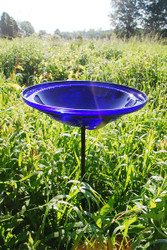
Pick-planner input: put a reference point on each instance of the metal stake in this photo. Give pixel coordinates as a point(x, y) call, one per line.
point(83, 153)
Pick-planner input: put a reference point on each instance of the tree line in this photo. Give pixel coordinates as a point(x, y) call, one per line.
point(9, 28)
point(128, 18)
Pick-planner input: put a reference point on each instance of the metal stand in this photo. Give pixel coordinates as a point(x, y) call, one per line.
point(83, 153)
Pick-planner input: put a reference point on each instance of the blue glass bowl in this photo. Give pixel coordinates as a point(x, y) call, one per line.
point(85, 104)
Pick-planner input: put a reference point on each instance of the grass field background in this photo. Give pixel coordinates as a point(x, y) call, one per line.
point(125, 188)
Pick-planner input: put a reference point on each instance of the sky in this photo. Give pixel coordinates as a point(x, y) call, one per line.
point(65, 15)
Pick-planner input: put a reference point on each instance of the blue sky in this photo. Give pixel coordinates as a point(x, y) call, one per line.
point(65, 15)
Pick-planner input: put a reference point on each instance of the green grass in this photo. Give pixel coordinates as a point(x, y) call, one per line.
point(125, 190)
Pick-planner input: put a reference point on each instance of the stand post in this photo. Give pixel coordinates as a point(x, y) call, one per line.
point(83, 153)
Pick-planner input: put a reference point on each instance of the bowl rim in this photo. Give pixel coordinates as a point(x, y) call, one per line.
point(32, 90)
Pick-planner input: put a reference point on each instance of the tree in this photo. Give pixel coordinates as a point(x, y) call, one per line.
point(0, 30)
point(8, 26)
point(155, 15)
point(91, 33)
point(126, 16)
point(27, 28)
point(42, 33)
point(57, 32)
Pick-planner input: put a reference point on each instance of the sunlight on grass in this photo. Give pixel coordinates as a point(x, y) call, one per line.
point(125, 190)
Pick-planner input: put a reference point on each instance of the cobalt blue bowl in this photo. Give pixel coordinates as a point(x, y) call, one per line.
point(85, 104)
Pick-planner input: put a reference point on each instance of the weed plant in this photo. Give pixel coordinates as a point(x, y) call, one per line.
point(125, 188)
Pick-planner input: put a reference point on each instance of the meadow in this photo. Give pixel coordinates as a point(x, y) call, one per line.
point(125, 188)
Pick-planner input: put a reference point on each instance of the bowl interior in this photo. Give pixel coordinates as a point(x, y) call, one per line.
point(84, 97)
